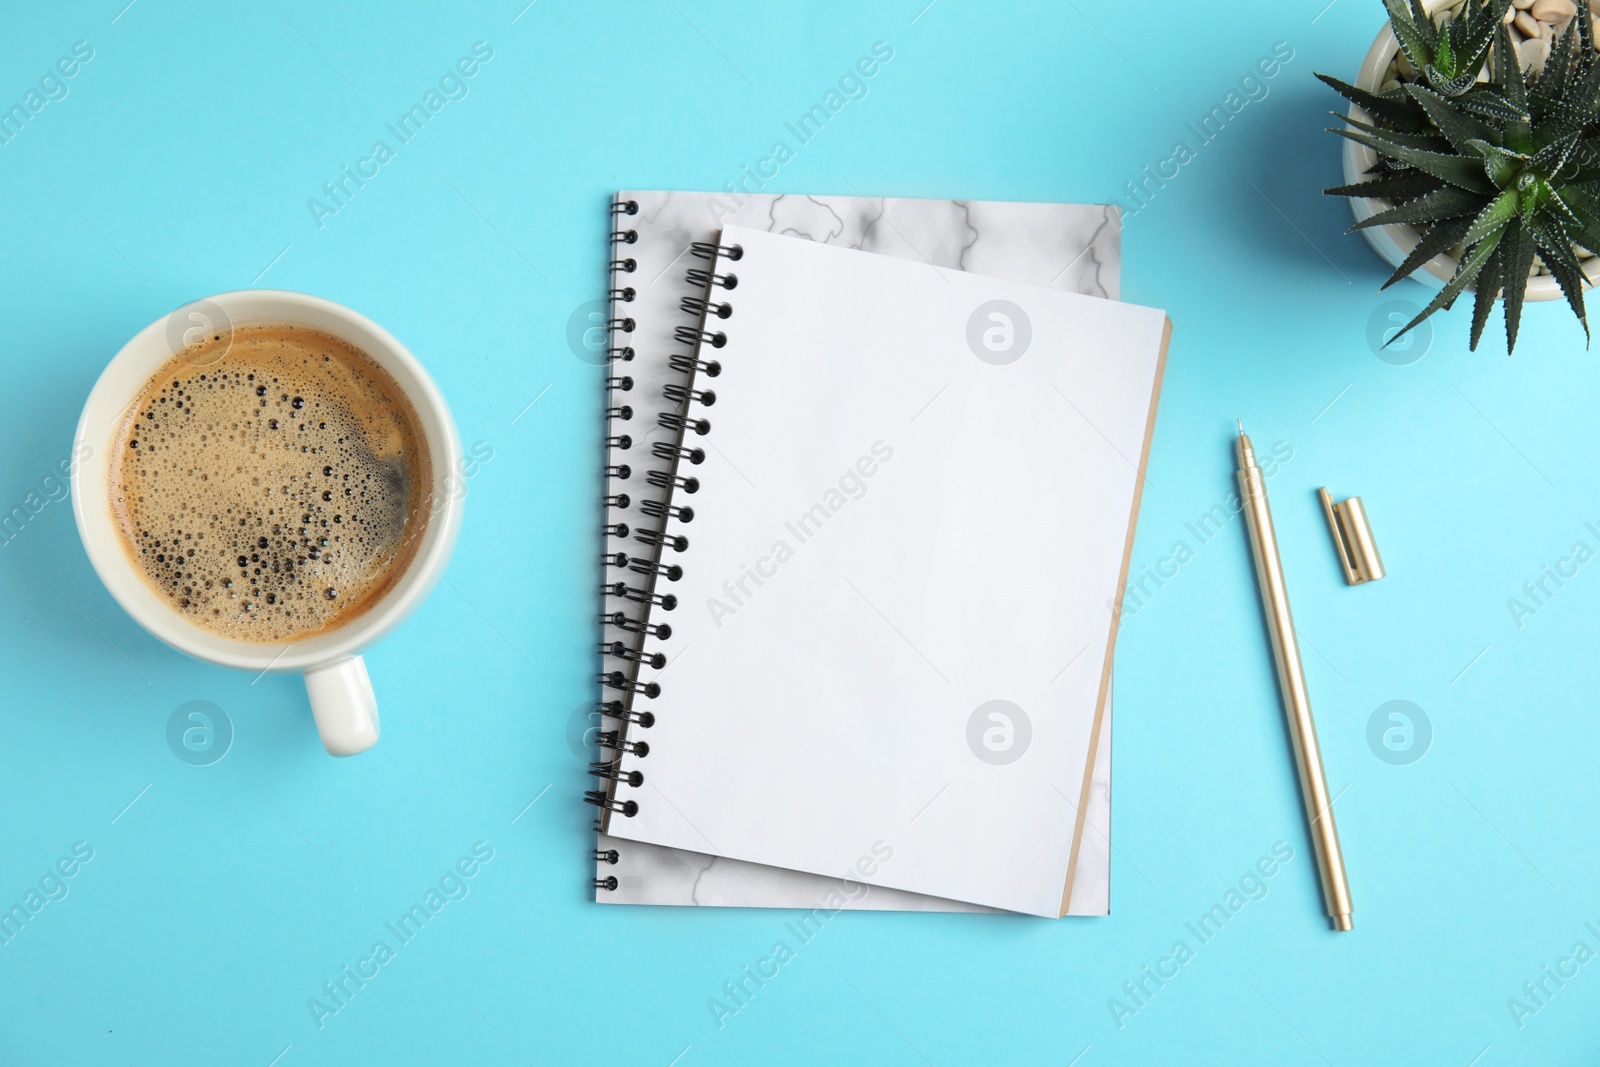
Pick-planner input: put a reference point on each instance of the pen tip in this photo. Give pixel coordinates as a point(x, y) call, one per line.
point(1241, 426)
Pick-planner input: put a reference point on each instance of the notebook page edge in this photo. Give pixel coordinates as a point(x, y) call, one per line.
point(1111, 644)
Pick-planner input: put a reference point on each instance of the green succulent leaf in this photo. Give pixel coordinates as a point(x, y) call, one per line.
point(1444, 203)
point(1581, 199)
point(1586, 80)
point(1469, 269)
point(1555, 248)
point(1483, 298)
point(1458, 128)
point(1494, 218)
point(1582, 221)
point(1557, 117)
point(1559, 67)
point(1551, 238)
point(1451, 86)
point(1507, 72)
point(1432, 141)
point(1585, 162)
point(1534, 194)
point(1501, 164)
point(1549, 161)
point(1516, 259)
point(1461, 171)
point(1444, 60)
point(1440, 237)
point(1571, 280)
point(1555, 206)
point(1393, 108)
point(1424, 24)
point(1399, 185)
point(1493, 106)
point(1471, 35)
point(1418, 48)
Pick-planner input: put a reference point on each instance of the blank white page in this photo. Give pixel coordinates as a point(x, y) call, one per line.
point(892, 632)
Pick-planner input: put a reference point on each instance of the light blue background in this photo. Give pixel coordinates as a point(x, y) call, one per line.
point(225, 896)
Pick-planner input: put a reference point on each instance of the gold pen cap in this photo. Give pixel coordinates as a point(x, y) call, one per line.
point(1352, 539)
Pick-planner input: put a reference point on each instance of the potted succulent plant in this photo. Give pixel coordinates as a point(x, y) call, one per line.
point(1474, 157)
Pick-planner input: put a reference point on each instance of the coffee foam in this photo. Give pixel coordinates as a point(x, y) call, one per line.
point(269, 484)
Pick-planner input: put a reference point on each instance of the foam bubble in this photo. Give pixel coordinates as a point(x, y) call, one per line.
point(273, 492)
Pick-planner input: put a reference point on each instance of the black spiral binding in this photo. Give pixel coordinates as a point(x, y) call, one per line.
point(616, 714)
point(632, 601)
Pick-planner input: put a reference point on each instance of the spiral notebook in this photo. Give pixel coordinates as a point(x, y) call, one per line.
point(877, 636)
point(1074, 247)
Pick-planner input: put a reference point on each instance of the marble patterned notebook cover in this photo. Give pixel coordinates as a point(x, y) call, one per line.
point(1071, 247)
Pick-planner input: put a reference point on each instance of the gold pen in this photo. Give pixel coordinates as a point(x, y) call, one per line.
point(1292, 681)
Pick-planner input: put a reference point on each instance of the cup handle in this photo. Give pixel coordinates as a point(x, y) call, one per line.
point(344, 706)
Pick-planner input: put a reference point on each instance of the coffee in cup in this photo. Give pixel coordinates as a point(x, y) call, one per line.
point(244, 463)
point(268, 482)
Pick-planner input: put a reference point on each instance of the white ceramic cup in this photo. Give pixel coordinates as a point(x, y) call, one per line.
point(342, 700)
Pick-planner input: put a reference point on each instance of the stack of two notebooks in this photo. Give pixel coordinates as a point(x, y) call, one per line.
point(873, 472)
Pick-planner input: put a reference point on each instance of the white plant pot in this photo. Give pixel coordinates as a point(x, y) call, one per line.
point(1394, 243)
